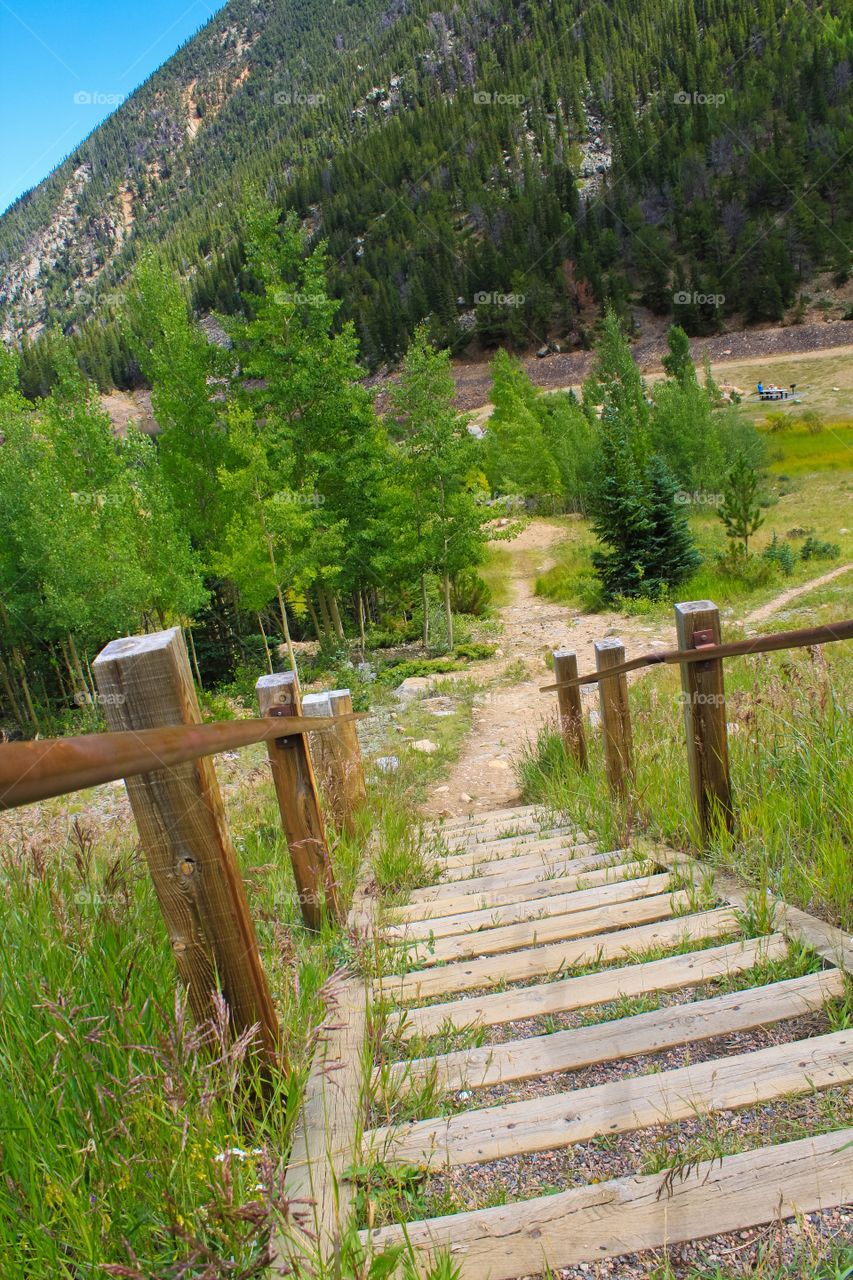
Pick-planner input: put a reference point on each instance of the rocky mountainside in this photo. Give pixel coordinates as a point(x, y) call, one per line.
point(501, 168)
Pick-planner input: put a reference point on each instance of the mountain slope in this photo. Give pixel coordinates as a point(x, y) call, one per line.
point(531, 159)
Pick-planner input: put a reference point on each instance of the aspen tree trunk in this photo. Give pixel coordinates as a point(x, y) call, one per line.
point(448, 611)
point(25, 689)
point(6, 682)
point(336, 617)
point(361, 625)
point(324, 610)
point(315, 621)
point(426, 610)
point(189, 632)
point(266, 646)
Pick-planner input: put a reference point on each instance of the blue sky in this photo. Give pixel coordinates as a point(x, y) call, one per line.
point(64, 64)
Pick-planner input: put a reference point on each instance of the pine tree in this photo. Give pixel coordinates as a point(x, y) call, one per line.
point(670, 554)
point(740, 510)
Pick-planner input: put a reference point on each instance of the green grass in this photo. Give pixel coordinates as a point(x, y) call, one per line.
point(791, 748)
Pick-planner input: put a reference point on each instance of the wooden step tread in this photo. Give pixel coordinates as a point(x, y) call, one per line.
point(631, 1214)
point(564, 1119)
point(566, 994)
point(540, 872)
point(535, 962)
point(570, 1050)
point(507, 850)
point(545, 928)
point(620, 885)
point(506, 846)
point(474, 867)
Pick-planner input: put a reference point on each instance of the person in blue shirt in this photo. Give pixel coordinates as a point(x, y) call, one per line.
point(760, 389)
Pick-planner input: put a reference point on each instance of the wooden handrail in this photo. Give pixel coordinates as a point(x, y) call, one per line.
point(32, 771)
point(802, 638)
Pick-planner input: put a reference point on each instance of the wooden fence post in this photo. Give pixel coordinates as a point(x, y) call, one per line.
point(299, 804)
point(337, 757)
point(349, 751)
point(615, 716)
point(570, 706)
point(144, 682)
point(704, 699)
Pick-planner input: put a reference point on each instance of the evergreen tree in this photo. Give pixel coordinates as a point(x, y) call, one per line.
point(670, 554)
point(740, 510)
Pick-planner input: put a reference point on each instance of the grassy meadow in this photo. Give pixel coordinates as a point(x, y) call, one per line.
point(808, 492)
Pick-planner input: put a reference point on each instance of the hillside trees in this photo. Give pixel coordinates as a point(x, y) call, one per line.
point(438, 462)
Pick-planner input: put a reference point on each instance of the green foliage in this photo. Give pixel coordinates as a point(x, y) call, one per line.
point(780, 554)
point(816, 549)
point(740, 510)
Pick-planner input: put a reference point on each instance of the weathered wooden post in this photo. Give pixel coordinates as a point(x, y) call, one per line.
point(697, 622)
point(615, 716)
point(348, 749)
point(299, 804)
point(570, 706)
point(337, 757)
point(144, 682)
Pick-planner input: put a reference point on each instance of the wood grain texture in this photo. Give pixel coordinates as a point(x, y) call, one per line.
point(520, 861)
point(299, 805)
point(145, 682)
point(620, 1106)
point(625, 884)
point(488, 891)
point(704, 704)
point(567, 994)
point(636, 1213)
point(624, 1037)
point(547, 928)
point(570, 709)
point(615, 716)
point(534, 962)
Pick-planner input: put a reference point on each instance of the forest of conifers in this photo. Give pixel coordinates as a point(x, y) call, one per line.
point(277, 503)
point(437, 152)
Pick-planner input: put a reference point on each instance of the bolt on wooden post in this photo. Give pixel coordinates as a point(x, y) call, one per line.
point(697, 622)
point(144, 682)
point(299, 804)
point(570, 706)
point(615, 716)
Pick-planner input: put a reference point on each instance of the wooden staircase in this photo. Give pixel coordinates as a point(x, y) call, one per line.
point(522, 904)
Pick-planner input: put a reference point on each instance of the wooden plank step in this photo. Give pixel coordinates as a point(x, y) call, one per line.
point(570, 1050)
point(535, 904)
point(537, 961)
point(547, 928)
point(620, 1106)
point(520, 862)
point(504, 846)
point(505, 851)
point(627, 1215)
point(470, 822)
point(541, 872)
point(568, 994)
point(587, 876)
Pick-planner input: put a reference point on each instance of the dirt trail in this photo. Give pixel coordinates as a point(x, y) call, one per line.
point(779, 602)
point(507, 715)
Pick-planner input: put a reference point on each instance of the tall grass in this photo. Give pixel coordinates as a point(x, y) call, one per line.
point(791, 754)
point(133, 1142)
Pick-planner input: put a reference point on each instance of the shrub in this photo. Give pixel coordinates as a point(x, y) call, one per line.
point(780, 554)
point(815, 549)
point(469, 593)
